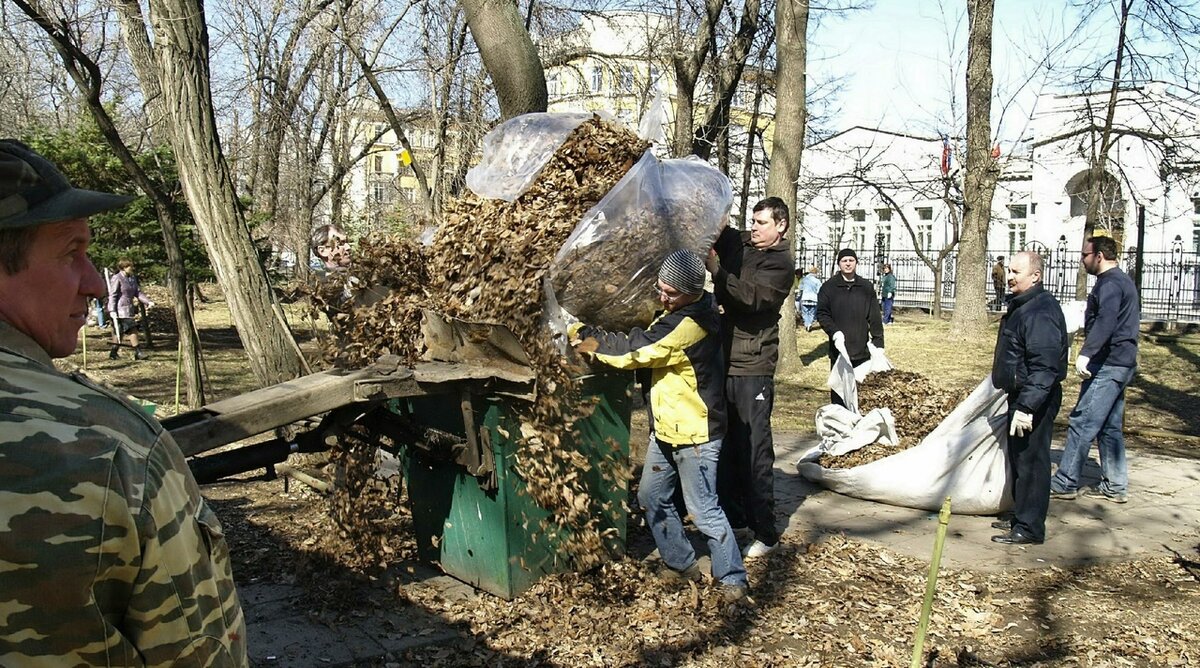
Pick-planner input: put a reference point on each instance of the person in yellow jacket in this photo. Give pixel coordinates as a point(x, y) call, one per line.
point(682, 349)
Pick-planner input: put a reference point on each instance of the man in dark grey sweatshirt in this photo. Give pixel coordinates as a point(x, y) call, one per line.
point(1106, 362)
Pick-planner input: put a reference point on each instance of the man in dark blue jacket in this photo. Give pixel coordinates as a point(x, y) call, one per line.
point(1106, 362)
point(1030, 363)
point(849, 312)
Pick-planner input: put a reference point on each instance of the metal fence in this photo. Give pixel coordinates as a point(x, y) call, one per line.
point(1170, 289)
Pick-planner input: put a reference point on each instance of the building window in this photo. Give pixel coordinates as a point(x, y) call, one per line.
point(858, 215)
point(884, 233)
point(552, 86)
point(654, 74)
point(1196, 237)
point(597, 79)
point(835, 236)
point(1033, 208)
point(858, 237)
point(835, 216)
point(1016, 237)
point(377, 163)
point(381, 192)
point(1196, 205)
point(925, 234)
point(625, 79)
point(925, 213)
point(1017, 211)
point(884, 214)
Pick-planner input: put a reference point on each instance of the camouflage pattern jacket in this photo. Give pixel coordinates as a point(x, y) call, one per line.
point(108, 554)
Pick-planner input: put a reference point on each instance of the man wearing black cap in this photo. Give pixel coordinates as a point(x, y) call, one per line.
point(682, 349)
point(108, 555)
point(849, 313)
point(752, 274)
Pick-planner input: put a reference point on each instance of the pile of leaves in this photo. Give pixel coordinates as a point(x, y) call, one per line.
point(486, 264)
point(917, 405)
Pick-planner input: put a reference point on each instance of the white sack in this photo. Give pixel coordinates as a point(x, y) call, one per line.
point(964, 458)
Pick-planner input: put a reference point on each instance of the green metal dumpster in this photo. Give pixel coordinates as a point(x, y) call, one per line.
point(484, 529)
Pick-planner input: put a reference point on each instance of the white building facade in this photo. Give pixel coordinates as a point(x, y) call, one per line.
point(885, 195)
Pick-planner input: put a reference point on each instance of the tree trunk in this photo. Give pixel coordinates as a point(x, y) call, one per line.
point(508, 54)
point(687, 66)
point(182, 58)
point(970, 309)
point(725, 82)
point(791, 48)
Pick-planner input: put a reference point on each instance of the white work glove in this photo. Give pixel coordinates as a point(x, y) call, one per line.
point(1022, 423)
point(149, 304)
point(1081, 366)
point(839, 338)
point(113, 315)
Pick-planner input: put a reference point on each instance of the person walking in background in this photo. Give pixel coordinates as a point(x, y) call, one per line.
point(109, 556)
point(849, 312)
point(999, 281)
point(751, 274)
point(123, 293)
point(682, 350)
point(810, 286)
point(887, 290)
point(1029, 363)
point(1106, 362)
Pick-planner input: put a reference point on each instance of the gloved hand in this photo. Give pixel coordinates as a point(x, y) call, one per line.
point(573, 330)
point(1022, 423)
point(839, 337)
point(149, 304)
point(1081, 366)
point(113, 315)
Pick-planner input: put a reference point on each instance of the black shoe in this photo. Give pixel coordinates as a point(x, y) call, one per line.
point(1016, 537)
point(1002, 524)
point(138, 354)
point(112, 354)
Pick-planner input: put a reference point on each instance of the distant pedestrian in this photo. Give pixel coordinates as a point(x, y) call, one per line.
point(887, 290)
point(124, 293)
point(1107, 361)
point(810, 286)
point(999, 281)
point(1030, 363)
point(849, 312)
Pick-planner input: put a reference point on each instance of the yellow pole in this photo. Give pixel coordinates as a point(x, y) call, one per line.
point(931, 585)
point(178, 372)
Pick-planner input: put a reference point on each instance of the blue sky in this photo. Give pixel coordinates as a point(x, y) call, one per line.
point(900, 58)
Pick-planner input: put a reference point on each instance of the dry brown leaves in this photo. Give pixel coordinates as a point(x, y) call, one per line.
point(486, 264)
point(917, 406)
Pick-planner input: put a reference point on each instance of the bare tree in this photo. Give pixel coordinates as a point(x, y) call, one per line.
point(791, 47)
point(970, 306)
point(180, 66)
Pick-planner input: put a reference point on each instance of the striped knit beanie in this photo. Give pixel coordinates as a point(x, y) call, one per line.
point(684, 271)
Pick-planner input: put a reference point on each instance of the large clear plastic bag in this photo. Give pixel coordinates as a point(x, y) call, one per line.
point(514, 152)
point(605, 272)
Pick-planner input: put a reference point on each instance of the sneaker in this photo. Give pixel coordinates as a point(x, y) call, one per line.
point(758, 549)
point(1095, 493)
point(1069, 495)
point(731, 593)
point(690, 574)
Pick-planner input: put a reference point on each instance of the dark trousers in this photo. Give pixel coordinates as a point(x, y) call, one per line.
point(1029, 465)
point(746, 467)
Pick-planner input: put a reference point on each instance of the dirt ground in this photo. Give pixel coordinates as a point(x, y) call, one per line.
point(833, 602)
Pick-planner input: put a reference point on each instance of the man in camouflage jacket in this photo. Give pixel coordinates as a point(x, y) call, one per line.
point(108, 554)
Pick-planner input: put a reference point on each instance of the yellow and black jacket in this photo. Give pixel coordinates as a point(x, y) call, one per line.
point(682, 348)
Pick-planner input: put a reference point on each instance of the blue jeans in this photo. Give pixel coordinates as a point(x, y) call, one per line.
point(1098, 416)
point(694, 469)
point(887, 309)
point(808, 311)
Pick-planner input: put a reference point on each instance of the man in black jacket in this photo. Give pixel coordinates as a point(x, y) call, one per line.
point(849, 312)
point(1029, 363)
point(752, 275)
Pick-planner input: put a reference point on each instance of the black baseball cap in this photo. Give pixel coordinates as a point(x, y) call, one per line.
point(34, 192)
